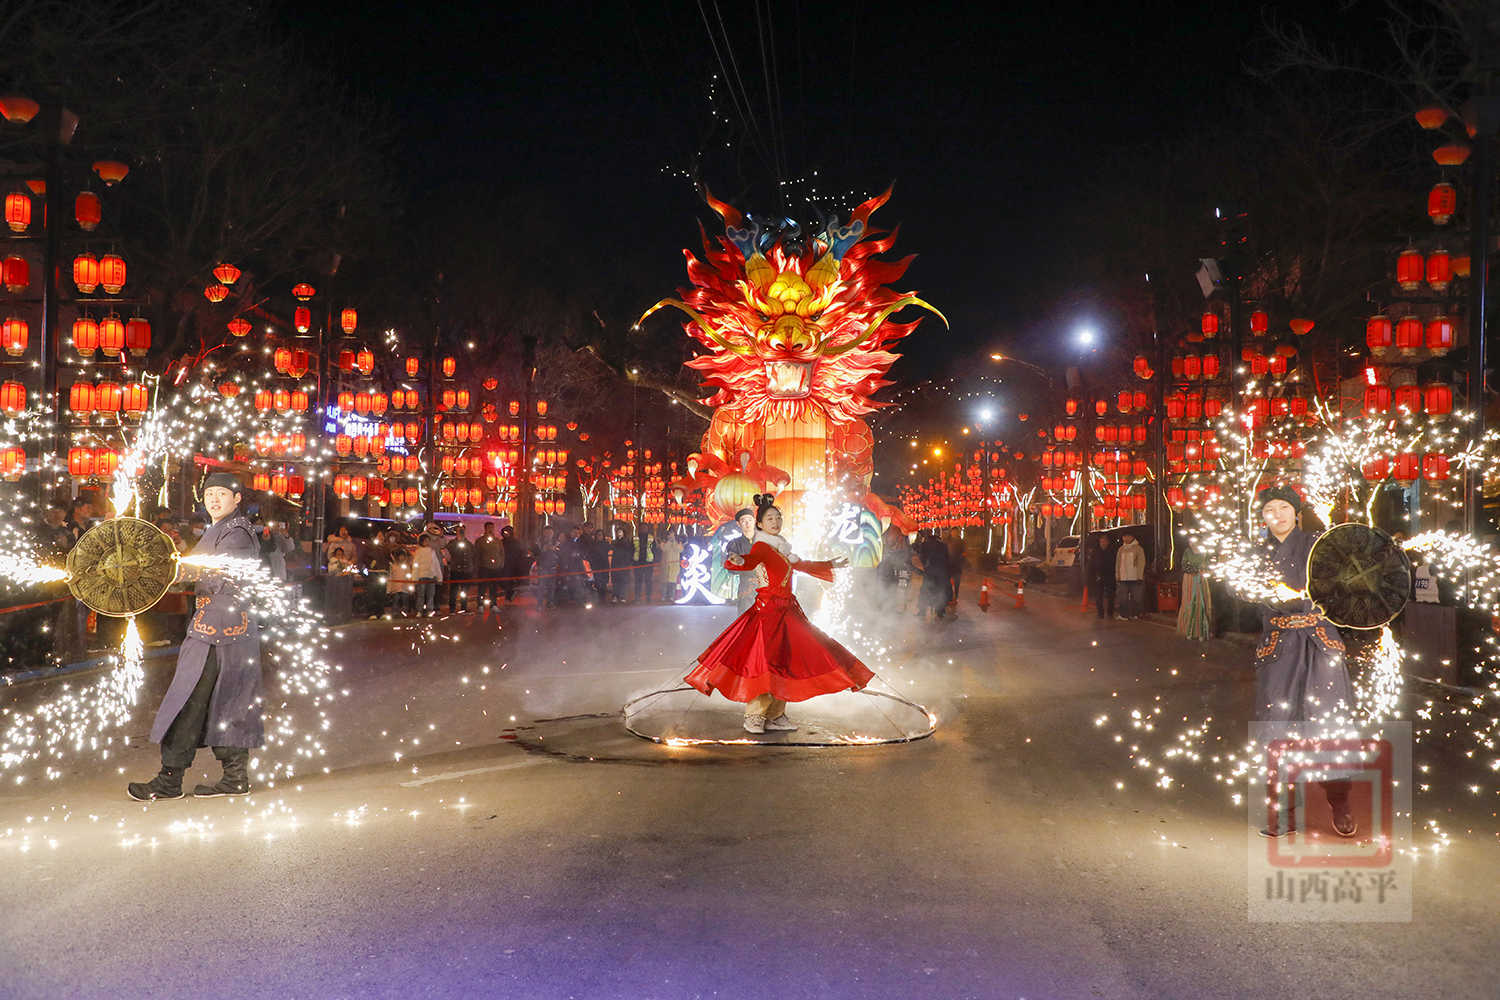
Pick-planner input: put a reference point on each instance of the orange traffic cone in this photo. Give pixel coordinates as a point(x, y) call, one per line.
point(984, 595)
point(1021, 592)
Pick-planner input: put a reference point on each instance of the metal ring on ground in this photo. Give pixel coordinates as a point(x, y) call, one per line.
point(811, 734)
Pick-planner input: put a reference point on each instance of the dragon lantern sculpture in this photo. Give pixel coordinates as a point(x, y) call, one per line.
point(796, 337)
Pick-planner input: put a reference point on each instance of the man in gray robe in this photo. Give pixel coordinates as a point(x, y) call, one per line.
point(1300, 673)
point(745, 595)
point(214, 698)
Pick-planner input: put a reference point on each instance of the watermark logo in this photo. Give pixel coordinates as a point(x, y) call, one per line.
point(1329, 815)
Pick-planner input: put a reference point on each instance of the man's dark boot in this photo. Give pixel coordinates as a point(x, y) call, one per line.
point(236, 779)
point(166, 785)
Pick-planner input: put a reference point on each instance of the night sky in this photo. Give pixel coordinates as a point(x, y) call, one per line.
point(989, 124)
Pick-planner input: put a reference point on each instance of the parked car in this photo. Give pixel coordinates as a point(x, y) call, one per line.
point(1065, 553)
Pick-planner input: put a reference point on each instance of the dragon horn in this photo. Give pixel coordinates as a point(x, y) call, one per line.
point(901, 303)
point(703, 324)
point(727, 212)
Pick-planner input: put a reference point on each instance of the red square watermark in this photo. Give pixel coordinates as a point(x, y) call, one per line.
point(1302, 776)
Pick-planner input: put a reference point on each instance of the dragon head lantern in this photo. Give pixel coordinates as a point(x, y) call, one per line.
point(796, 336)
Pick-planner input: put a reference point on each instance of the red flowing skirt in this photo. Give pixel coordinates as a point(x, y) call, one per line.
point(773, 649)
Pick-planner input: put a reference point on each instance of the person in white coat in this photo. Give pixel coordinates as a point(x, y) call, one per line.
point(1130, 576)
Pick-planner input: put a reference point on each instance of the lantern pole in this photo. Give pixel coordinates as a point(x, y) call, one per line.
point(429, 415)
point(51, 278)
point(1159, 408)
point(1486, 110)
point(524, 522)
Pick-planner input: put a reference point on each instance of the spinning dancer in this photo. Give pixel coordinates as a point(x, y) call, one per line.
point(1300, 675)
point(772, 654)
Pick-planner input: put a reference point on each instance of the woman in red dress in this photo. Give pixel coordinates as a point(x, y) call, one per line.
point(772, 654)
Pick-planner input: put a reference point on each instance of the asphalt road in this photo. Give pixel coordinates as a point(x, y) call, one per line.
point(524, 844)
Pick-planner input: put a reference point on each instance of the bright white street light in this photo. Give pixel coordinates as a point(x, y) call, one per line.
point(1086, 336)
point(986, 414)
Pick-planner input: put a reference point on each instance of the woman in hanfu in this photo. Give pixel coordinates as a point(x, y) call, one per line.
point(772, 654)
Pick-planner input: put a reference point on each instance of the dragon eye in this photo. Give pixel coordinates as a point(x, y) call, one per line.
point(816, 316)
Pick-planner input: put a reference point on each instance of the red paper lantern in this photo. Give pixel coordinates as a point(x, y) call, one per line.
point(302, 291)
point(12, 397)
point(15, 273)
point(1439, 270)
point(450, 398)
point(239, 326)
point(1408, 398)
point(1409, 337)
point(298, 366)
point(80, 462)
point(341, 486)
point(282, 358)
point(1442, 202)
point(1438, 398)
point(1142, 367)
point(1210, 324)
point(1192, 367)
point(413, 365)
point(111, 335)
point(229, 390)
point(1260, 322)
point(12, 463)
point(216, 293)
point(134, 398)
point(515, 408)
point(1408, 467)
point(263, 399)
point(1440, 335)
point(358, 486)
point(86, 273)
point(1210, 366)
point(111, 172)
point(1434, 466)
point(261, 482)
point(362, 403)
point(302, 319)
point(345, 401)
point(112, 273)
point(1377, 469)
point(1101, 407)
point(81, 398)
point(364, 360)
point(346, 359)
point(137, 335)
point(1377, 399)
point(1410, 270)
point(107, 397)
point(462, 399)
point(1378, 336)
point(15, 333)
point(18, 211)
point(1431, 117)
point(349, 320)
point(87, 210)
point(378, 403)
point(1302, 327)
point(1452, 154)
point(449, 366)
point(281, 400)
point(227, 274)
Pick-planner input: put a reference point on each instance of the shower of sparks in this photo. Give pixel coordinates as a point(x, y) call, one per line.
point(88, 718)
point(293, 634)
point(1227, 533)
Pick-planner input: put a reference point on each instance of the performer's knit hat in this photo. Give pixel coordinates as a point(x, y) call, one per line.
point(228, 480)
point(743, 512)
point(1278, 492)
